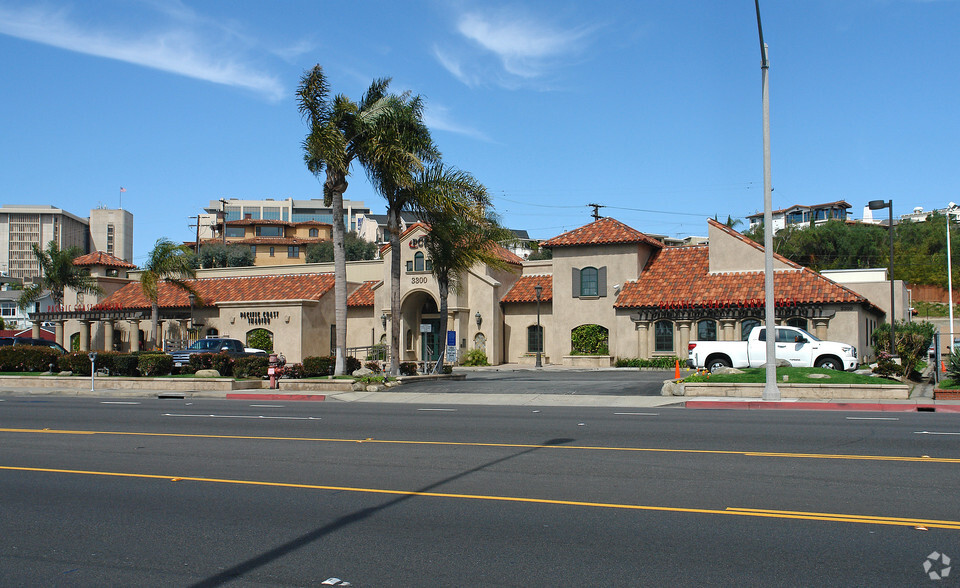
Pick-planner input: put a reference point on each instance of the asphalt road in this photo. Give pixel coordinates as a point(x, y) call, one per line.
point(215, 492)
point(621, 382)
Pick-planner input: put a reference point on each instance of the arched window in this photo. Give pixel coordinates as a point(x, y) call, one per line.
point(418, 262)
point(707, 330)
point(535, 339)
point(480, 342)
point(589, 281)
point(409, 339)
point(799, 322)
point(747, 325)
point(314, 233)
point(212, 332)
point(663, 337)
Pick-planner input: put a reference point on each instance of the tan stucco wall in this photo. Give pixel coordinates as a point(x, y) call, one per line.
point(730, 254)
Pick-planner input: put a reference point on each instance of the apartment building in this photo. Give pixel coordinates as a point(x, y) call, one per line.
point(22, 226)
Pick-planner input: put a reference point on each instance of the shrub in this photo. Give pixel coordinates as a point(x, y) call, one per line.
point(912, 340)
point(351, 364)
point(316, 366)
point(408, 368)
point(125, 364)
point(373, 366)
point(76, 362)
point(261, 339)
point(447, 369)
point(293, 370)
point(155, 364)
point(222, 362)
point(254, 366)
point(663, 363)
point(27, 358)
point(475, 357)
point(589, 340)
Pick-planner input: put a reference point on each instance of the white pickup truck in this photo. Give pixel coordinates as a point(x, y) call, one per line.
point(794, 345)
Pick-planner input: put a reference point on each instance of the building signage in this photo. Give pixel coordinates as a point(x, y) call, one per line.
point(259, 317)
point(418, 242)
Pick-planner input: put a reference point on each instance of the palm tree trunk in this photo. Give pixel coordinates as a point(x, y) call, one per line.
point(339, 280)
point(154, 323)
point(393, 225)
point(443, 286)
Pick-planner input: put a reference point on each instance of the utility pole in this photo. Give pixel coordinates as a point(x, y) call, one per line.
point(223, 217)
point(770, 389)
point(596, 210)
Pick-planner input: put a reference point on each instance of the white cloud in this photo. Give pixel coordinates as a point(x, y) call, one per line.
point(177, 50)
point(438, 118)
point(525, 47)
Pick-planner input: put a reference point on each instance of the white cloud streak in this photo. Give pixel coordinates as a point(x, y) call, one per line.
point(179, 51)
point(525, 48)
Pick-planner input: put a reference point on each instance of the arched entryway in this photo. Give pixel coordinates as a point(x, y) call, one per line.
point(422, 327)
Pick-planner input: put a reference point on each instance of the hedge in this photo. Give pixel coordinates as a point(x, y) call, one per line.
point(320, 366)
point(27, 358)
point(155, 364)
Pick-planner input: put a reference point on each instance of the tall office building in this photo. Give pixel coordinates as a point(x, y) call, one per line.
point(288, 210)
point(25, 225)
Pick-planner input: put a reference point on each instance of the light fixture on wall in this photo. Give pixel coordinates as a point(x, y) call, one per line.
point(383, 321)
point(479, 319)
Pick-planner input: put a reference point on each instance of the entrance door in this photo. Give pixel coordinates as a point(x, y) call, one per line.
point(431, 342)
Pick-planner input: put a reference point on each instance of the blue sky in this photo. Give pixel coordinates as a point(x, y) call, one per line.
point(649, 108)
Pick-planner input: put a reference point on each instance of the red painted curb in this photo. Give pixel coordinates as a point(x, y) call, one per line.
point(317, 397)
point(872, 406)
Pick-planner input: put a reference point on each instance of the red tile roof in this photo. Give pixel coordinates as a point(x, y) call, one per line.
point(679, 277)
point(604, 231)
point(523, 289)
point(214, 290)
point(102, 258)
point(364, 295)
point(505, 254)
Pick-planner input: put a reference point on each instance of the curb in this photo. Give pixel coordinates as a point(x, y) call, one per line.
point(852, 406)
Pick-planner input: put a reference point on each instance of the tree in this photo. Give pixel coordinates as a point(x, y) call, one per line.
point(355, 249)
point(463, 232)
point(169, 263)
point(339, 129)
point(397, 151)
point(57, 273)
point(216, 255)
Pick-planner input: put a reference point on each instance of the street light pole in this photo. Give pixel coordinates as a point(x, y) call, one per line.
point(877, 205)
point(770, 389)
point(538, 289)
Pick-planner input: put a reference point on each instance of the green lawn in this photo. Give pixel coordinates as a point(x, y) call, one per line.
point(948, 385)
point(794, 376)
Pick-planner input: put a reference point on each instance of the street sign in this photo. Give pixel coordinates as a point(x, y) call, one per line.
point(451, 338)
point(451, 353)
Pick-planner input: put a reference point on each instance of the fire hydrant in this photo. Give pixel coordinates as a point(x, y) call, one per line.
point(272, 370)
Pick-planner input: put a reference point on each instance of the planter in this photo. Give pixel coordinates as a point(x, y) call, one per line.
point(588, 361)
point(939, 394)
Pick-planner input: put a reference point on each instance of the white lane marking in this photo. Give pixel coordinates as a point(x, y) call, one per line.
point(873, 419)
point(933, 433)
point(240, 416)
point(439, 409)
point(266, 405)
point(640, 413)
point(116, 402)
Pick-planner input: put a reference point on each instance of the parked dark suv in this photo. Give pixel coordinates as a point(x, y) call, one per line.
point(31, 341)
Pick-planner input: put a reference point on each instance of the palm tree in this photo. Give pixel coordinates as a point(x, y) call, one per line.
point(462, 237)
point(57, 273)
point(169, 263)
point(396, 151)
point(339, 128)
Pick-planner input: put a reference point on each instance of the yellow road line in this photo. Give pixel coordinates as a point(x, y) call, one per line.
point(745, 512)
point(504, 445)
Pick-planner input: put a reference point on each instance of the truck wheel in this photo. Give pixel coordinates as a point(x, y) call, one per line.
point(716, 363)
point(829, 363)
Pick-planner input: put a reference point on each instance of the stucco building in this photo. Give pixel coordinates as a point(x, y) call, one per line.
point(649, 298)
